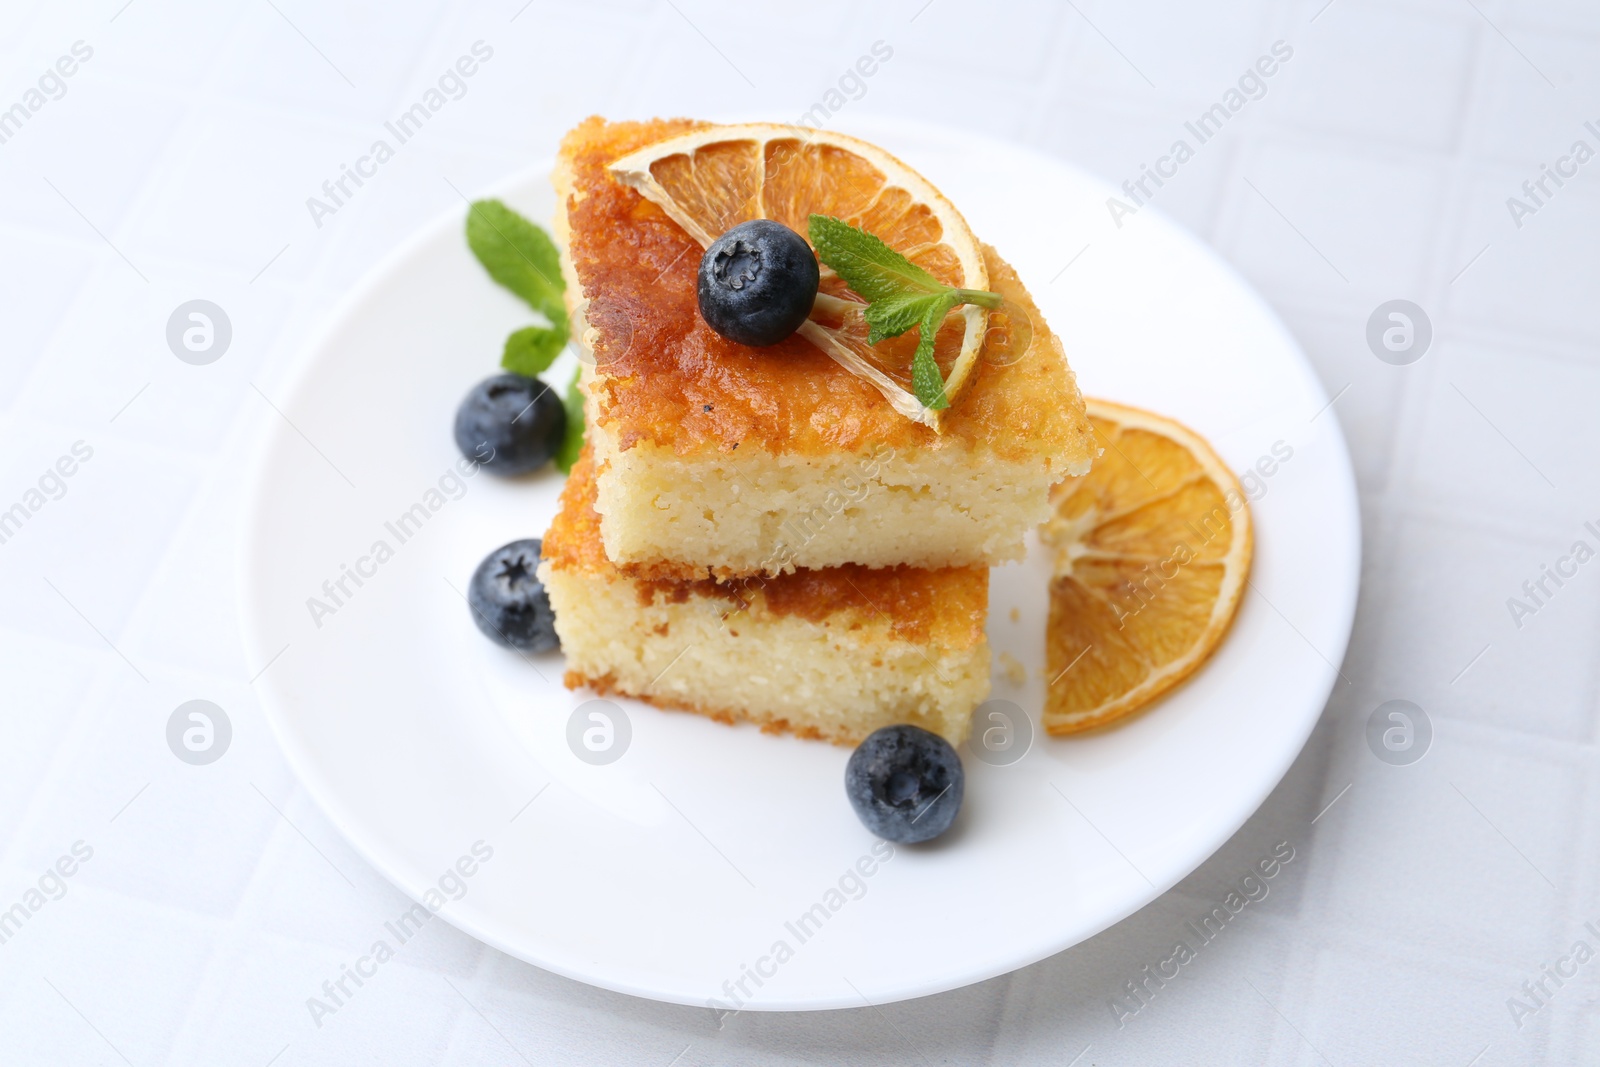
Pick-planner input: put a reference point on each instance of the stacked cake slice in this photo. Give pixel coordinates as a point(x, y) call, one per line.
point(762, 534)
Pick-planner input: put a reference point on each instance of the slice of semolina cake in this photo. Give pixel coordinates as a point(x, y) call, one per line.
point(723, 460)
point(831, 654)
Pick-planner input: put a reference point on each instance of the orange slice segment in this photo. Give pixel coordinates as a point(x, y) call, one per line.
point(714, 178)
point(1152, 550)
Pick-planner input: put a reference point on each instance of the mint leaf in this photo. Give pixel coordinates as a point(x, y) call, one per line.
point(572, 443)
point(894, 315)
point(519, 255)
point(530, 350)
point(899, 295)
point(867, 265)
point(927, 382)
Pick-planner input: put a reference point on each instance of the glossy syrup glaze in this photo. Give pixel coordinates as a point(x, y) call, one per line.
point(663, 376)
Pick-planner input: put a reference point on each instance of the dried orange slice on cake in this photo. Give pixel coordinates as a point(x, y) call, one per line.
point(714, 178)
point(1152, 551)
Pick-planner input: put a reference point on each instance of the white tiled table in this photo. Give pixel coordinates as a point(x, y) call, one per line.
point(1377, 166)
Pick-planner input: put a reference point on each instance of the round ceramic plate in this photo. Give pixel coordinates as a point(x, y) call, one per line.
point(718, 864)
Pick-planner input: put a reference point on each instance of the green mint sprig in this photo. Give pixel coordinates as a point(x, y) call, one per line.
point(899, 295)
point(521, 257)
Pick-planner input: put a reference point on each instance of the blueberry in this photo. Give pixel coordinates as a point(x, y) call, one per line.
point(508, 601)
point(757, 282)
point(905, 783)
point(510, 424)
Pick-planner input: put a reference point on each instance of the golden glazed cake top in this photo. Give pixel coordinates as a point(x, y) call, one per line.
point(946, 606)
point(665, 377)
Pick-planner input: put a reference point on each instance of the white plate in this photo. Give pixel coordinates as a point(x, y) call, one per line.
point(673, 870)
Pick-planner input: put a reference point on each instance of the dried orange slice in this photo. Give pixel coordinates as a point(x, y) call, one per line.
point(713, 178)
point(1152, 550)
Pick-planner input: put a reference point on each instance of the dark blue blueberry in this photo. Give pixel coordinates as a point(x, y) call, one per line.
point(757, 282)
point(905, 783)
point(510, 424)
point(508, 601)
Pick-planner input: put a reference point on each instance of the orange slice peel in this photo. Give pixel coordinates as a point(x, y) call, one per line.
point(1152, 554)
